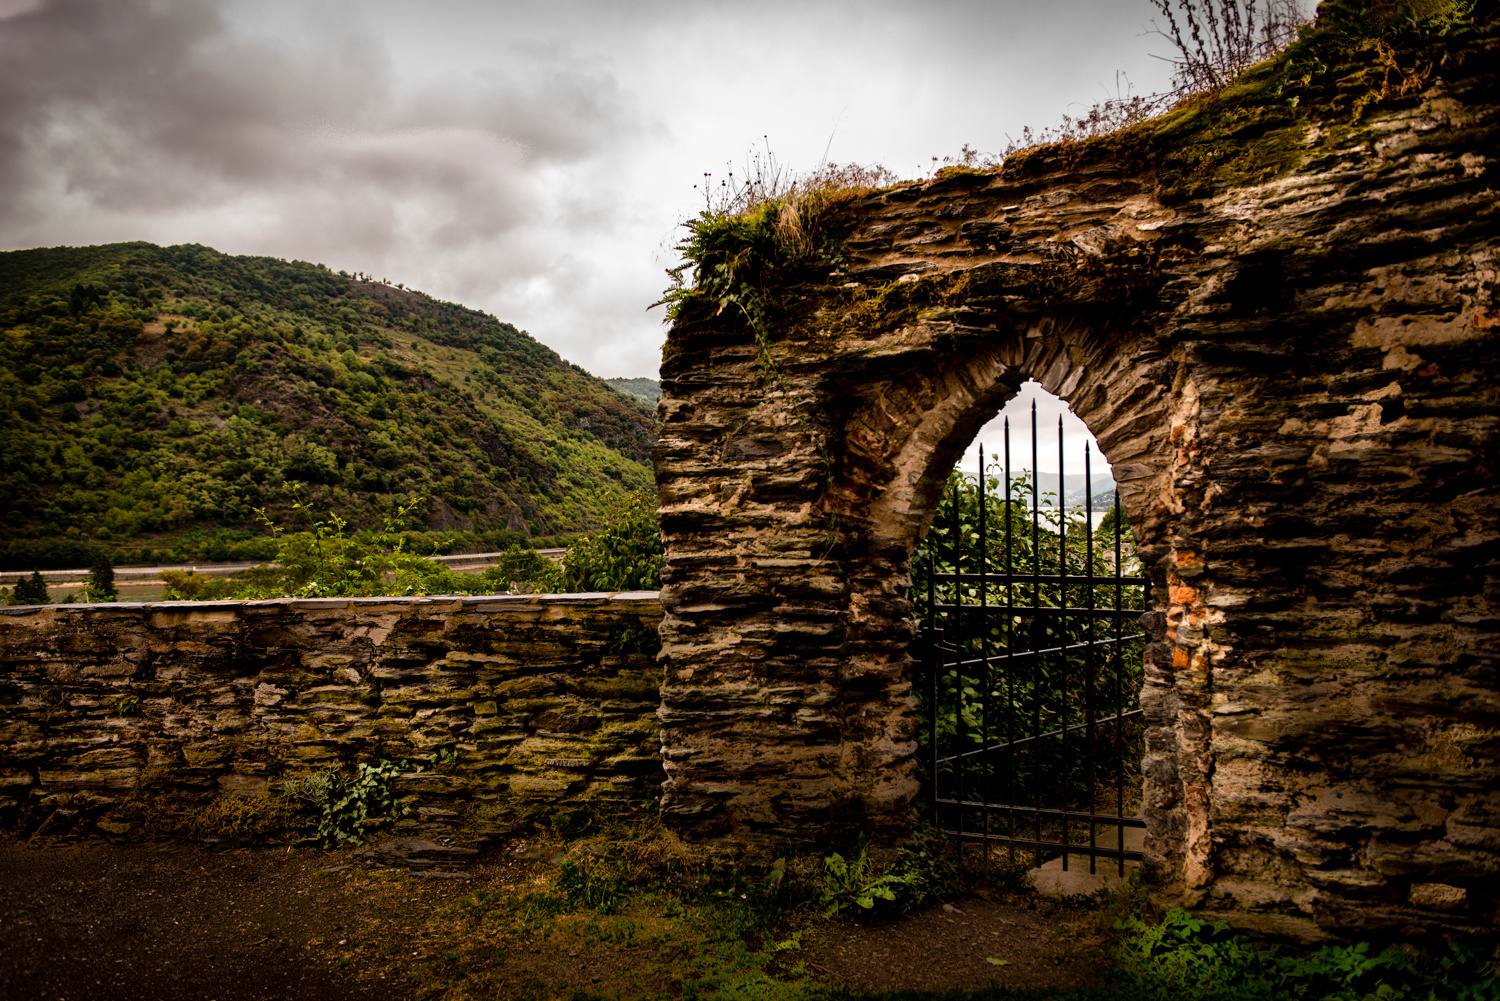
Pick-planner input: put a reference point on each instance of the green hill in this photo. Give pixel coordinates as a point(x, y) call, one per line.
point(153, 398)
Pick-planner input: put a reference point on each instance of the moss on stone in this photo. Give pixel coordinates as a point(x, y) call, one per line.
point(1260, 127)
point(1308, 101)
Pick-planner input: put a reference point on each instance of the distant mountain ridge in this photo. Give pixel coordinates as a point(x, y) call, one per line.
point(152, 396)
point(648, 391)
point(1074, 490)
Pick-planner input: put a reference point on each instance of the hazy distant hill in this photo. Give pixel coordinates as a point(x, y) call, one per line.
point(648, 391)
point(157, 396)
point(1073, 491)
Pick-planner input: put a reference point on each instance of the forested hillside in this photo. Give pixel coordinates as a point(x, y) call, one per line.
point(152, 398)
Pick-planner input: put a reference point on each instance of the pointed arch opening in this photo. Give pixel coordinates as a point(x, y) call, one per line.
point(900, 445)
point(1029, 656)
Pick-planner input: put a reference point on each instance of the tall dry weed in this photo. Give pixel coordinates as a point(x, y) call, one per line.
point(764, 179)
point(1216, 40)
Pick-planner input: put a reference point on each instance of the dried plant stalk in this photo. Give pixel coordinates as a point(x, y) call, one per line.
point(765, 179)
point(1218, 39)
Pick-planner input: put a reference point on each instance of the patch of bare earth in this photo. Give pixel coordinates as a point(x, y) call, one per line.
point(1018, 942)
point(94, 920)
point(98, 921)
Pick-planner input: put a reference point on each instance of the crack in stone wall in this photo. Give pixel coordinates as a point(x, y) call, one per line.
point(1295, 382)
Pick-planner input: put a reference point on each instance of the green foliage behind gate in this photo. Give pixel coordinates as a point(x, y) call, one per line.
point(1033, 660)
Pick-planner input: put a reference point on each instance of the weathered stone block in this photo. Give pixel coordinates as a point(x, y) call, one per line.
point(16, 779)
point(1438, 896)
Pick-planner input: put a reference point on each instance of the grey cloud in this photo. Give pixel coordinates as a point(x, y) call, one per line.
point(530, 159)
point(151, 106)
point(116, 101)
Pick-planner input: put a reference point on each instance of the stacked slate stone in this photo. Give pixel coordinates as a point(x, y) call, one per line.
point(528, 701)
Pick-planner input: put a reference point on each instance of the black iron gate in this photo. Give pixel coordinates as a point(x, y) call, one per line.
point(1031, 664)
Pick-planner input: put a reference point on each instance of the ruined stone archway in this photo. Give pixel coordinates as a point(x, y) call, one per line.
point(788, 678)
point(1292, 367)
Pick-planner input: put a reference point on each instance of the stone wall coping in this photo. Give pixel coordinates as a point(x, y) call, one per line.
point(642, 599)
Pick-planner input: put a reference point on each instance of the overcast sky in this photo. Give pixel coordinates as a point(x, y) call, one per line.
point(534, 160)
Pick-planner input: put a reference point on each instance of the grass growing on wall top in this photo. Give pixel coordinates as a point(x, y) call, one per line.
point(1356, 56)
point(759, 230)
point(767, 233)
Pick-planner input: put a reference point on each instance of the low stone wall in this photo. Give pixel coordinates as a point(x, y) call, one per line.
point(168, 705)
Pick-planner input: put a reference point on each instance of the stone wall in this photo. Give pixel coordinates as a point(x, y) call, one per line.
point(1292, 360)
point(166, 705)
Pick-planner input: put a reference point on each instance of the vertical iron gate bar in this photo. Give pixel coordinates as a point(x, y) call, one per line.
point(1119, 663)
point(1064, 693)
point(1089, 665)
point(958, 689)
point(984, 656)
point(1011, 829)
point(1036, 643)
point(934, 667)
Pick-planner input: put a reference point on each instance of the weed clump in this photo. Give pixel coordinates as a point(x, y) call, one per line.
point(346, 804)
point(923, 872)
point(331, 805)
point(245, 818)
point(1184, 957)
point(755, 231)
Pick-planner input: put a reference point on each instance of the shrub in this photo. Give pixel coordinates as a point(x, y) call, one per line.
point(624, 555)
point(100, 585)
point(185, 585)
point(922, 872)
point(30, 590)
point(525, 570)
point(346, 805)
point(328, 561)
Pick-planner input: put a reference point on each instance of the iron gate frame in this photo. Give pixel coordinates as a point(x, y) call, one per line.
point(942, 650)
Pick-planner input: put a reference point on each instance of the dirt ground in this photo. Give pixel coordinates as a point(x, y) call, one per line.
point(96, 921)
